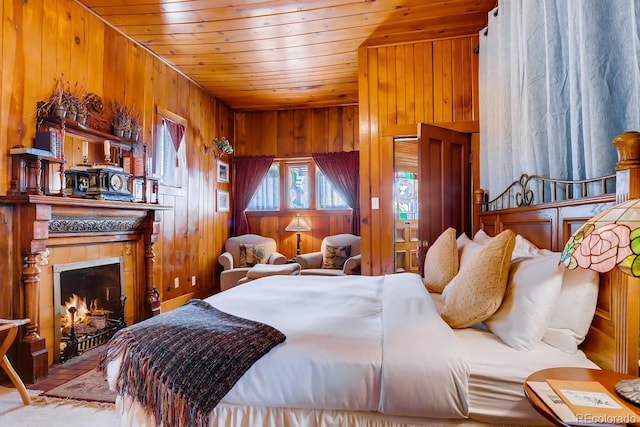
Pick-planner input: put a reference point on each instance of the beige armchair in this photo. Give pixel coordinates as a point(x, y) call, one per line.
point(338, 255)
point(242, 253)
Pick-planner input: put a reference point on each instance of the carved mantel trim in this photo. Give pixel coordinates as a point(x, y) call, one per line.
point(41, 220)
point(95, 224)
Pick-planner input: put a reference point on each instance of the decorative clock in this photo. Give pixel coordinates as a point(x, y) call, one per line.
point(109, 183)
point(76, 182)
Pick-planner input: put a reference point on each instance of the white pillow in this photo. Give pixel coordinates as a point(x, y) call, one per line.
point(529, 301)
point(482, 237)
point(574, 309)
point(462, 241)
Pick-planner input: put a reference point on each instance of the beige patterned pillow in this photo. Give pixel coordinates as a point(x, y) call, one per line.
point(336, 256)
point(251, 255)
point(441, 261)
point(478, 289)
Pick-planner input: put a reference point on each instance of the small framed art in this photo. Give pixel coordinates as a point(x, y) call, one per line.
point(223, 171)
point(223, 201)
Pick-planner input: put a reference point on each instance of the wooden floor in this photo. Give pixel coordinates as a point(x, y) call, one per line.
point(61, 373)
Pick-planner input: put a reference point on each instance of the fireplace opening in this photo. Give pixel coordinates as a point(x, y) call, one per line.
point(90, 303)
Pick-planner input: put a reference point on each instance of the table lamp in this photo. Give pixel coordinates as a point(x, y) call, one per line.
point(298, 224)
point(608, 240)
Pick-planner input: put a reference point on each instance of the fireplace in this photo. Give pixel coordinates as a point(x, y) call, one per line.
point(90, 303)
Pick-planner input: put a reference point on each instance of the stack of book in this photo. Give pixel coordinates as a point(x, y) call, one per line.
point(583, 403)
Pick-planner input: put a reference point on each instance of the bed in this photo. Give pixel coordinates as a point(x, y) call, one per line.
point(375, 350)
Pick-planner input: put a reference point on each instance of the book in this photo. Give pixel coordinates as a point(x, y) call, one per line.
point(553, 401)
point(592, 403)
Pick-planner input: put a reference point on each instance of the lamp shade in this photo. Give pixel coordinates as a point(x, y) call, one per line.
point(298, 224)
point(609, 239)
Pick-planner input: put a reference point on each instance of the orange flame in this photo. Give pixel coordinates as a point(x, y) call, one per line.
point(81, 315)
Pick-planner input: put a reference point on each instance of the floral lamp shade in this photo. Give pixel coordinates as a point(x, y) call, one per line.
point(609, 239)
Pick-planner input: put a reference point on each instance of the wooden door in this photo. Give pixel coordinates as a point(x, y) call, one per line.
point(445, 183)
point(406, 245)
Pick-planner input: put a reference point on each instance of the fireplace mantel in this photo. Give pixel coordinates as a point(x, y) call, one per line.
point(42, 221)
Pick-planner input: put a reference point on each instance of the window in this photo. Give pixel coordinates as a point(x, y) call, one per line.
point(298, 185)
point(169, 154)
point(328, 197)
point(300, 180)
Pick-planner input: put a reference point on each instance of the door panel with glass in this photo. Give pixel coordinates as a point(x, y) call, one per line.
point(405, 204)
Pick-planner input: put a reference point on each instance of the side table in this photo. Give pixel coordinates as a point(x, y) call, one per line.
point(607, 378)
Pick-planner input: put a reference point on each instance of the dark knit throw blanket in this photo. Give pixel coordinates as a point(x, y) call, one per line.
point(180, 364)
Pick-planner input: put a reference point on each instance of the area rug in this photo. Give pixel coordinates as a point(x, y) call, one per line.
point(53, 412)
point(89, 386)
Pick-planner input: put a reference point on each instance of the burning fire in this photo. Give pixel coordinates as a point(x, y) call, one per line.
point(81, 316)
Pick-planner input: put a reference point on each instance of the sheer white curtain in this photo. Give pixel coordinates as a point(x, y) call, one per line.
point(558, 80)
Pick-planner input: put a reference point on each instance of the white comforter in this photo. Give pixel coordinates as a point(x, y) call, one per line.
point(357, 343)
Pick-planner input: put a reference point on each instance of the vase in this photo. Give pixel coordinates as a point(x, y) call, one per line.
point(60, 111)
point(119, 132)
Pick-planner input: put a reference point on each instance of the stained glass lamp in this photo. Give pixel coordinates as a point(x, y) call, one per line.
point(609, 239)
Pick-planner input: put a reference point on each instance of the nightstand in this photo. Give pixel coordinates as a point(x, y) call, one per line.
point(607, 378)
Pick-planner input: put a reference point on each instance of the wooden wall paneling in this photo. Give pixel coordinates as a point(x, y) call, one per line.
point(458, 90)
point(195, 159)
point(7, 296)
point(334, 125)
point(285, 135)
point(166, 286)
point(115, 47)
point(350, 128)
point(419, 76)
point(269, 142)
point(429, 85)
point(134, 86)
point(400, 71)
point(364, 145)
point(95, 56)
point(78, 64)
point(33, 66)
point(202, 221)
point(320, 139)
point(217, 229)
point(392, 81)
point(377, 116)
point(11, 86)
point(302, 131)
point(5, 98)
point(409, 73)
point(63, 39)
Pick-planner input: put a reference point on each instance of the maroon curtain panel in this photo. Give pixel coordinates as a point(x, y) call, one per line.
point(249, 173)
point(343, 170)
point(176, 131)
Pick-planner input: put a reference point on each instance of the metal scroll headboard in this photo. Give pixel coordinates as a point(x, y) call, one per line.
point(534, 190)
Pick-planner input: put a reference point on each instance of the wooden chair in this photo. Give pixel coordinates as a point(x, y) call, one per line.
point(11, 329)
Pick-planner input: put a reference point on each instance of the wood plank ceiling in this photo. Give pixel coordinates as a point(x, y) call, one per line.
point(275, 54)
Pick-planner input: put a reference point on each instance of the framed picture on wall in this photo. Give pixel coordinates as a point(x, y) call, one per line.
point(223, 171)
point(223, 201)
